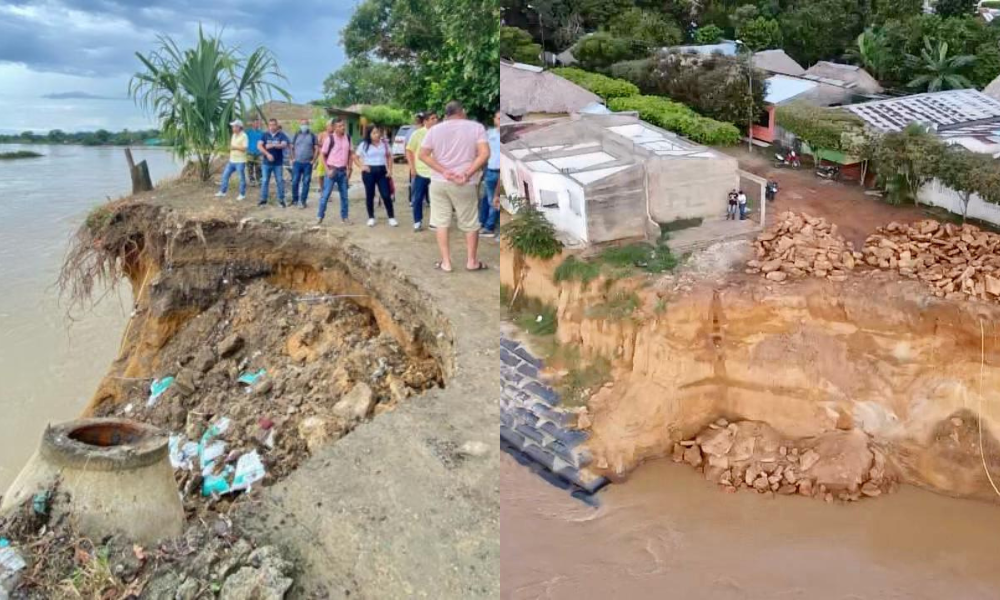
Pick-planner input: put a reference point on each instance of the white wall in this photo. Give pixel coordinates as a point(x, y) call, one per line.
point(564, 218)
point(936, 193)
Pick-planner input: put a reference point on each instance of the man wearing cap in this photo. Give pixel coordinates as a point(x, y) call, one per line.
point(237, 161)
point(273, 146)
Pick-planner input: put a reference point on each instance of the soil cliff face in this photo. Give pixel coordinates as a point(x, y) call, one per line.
point(875, 354)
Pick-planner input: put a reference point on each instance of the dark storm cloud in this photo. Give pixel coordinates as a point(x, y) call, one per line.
point(99, 38)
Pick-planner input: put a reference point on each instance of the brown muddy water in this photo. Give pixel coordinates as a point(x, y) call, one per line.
point(667, 533)
point(50, 365)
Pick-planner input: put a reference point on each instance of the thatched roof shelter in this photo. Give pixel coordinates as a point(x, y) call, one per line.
point(527, 90)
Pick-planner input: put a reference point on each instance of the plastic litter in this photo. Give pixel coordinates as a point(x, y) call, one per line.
point(249, 470)
point(251, 378)
point(217, 484)
point(40, 502)
point(182, 455)
point(157, 388)
point(11, 564)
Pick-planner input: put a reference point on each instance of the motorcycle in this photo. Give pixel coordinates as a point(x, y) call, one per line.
point(787, 159)
point(831, 172)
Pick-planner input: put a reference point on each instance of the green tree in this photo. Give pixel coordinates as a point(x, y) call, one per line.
point(970, 173)
point(517, 45)
point(195, 93)
point(744, 13)
point(887, 10)
point(987, 65)
point(363, 81)
point(820, 29)
point(647, 27)
point(442, 52)
point(709, 34)
point(871, 52)
point(954, 8)
point(760, 34)
point(598, 51)
point(715, 86)
point(385, 116)
point(905, 161)
point(938, 71)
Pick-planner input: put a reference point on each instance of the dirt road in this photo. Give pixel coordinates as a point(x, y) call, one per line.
point(845, 204)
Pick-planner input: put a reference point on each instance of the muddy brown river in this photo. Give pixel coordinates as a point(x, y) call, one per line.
point(50, 365)
point(666, 533)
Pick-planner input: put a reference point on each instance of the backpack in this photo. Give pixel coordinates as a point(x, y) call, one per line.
point(333, 141)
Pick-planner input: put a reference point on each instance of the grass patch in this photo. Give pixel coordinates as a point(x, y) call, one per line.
point(99, 218)
point(620, 306)
point(618, 262)
point(19, 154)
point(574, 269)
point(576, 387)
point(538, 322)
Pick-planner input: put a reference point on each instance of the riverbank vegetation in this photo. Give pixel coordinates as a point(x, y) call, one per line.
point(19, 154)
point(100, 137)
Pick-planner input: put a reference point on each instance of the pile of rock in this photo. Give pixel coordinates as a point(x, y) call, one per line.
point(750, 454)
point(956, 261)
point(803, 246)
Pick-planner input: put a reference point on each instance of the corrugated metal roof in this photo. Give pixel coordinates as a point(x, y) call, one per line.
point(942, 110)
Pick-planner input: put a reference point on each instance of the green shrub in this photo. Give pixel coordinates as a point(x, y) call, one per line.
point(602, 85)
point(620, 306)
point(385, 116)
point(574, 269)
point(709, 34)
point(679, 119)
point(598, 51)
point(538, 322)
point(517, 45)
point(531, 234)
point(638, 72)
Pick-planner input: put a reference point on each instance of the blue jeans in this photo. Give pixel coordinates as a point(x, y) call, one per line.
point(743, 212)
point(228, 172)
point(489, 214)
point(267, 170)
point(419, 192)
point(334, 177)
point(301, 176)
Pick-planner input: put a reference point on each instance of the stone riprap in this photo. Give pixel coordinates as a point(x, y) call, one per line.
point(533, 423)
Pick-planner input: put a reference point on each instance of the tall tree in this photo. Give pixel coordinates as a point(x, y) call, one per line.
point(955, 8)
point(937, 70)
point(820, 29)
point(760, 33)
point(871, 52)
point(363, 81)
point(443, 52)
point(195, 93)
point(970, 173)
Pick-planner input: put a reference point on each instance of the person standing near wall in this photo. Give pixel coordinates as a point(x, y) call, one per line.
point(420, 172)
point(741, 199)
point(272, 146)
point(488, 214)
point(374, 157)
point(305, 147)
point(338, 157)
point(456, 150)
point(237, 161)
point(254, 135)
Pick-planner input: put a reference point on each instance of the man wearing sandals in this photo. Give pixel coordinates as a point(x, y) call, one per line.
point(456, 150)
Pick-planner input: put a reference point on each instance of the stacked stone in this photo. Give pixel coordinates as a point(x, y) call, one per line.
point(955, 261)
point(803, 246)
point(533, 422)
point(752, 455)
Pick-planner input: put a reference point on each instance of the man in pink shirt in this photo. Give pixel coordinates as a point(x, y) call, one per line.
point(456, 150)
point(338, 156)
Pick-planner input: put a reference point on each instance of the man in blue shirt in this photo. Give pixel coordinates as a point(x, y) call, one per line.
point(489, 213)
point(254, 134)
point(272, 146)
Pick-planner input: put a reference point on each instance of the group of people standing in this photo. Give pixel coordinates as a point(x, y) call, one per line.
point(446, 157)
point(737, 201)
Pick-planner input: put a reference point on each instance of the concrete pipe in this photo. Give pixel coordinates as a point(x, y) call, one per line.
point(114, 477)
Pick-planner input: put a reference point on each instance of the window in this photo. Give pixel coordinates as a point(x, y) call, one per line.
point(549, 199)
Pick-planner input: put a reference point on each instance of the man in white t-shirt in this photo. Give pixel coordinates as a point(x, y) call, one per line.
point(456, 150)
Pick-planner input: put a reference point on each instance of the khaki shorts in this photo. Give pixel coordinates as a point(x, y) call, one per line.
point(450, 198)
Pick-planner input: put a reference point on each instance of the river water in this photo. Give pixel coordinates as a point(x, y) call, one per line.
point(50, 365)
point(667, 533)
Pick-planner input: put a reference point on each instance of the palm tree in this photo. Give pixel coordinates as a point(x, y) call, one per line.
point(871, 53)
point(938, 71)
point(195, 93)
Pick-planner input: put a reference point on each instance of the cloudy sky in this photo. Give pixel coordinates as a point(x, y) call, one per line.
point(65, 64)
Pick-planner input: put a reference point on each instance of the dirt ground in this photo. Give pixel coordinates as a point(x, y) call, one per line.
point(405, 505)
point(846, 204)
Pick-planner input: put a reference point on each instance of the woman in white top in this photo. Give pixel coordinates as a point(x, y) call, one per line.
point(374, 157)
